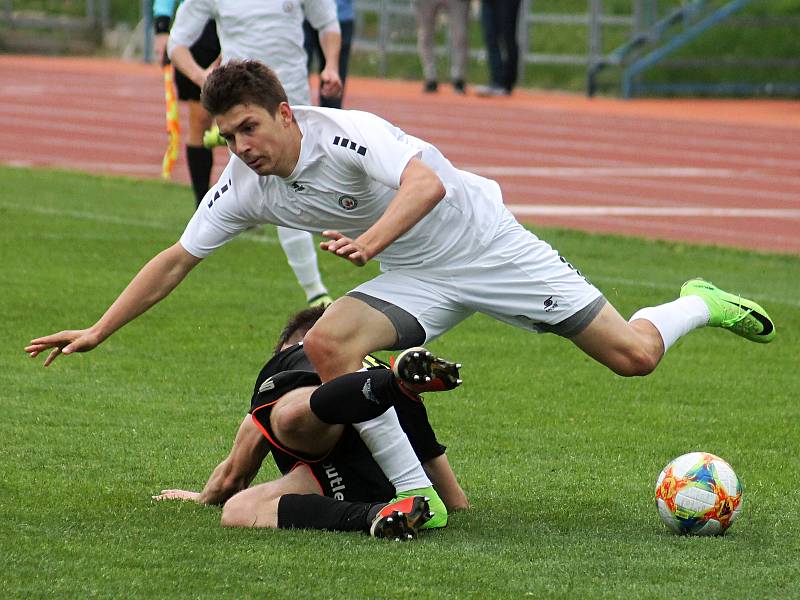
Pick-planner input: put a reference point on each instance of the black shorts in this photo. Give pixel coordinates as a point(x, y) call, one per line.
point(205, 51)
point(348, 471)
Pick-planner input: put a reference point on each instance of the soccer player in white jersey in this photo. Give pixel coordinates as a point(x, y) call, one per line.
point(448, 248)
point(270, 31)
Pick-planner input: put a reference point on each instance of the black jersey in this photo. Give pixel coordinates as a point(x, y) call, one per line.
point(348, 471)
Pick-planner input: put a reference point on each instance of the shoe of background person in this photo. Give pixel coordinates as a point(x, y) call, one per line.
point(212, 138)
point(320, 300)
point(430, 87)
point(729, 311)
point(420, 371)
point(491, 91)
point(459, 87)
point(401, 519)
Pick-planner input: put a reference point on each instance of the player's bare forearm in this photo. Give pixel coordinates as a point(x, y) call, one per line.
point(153, 282)
point(419, 193)
point(238, 470)
point(330, 80)
point(444, 481)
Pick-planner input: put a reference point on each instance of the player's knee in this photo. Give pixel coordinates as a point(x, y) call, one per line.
point(323, 348)
point(634, 362)
point(238, 511)
point(316, 344)
point(288, 420)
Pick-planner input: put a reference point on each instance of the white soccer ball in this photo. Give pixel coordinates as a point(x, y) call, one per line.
point(698, 494)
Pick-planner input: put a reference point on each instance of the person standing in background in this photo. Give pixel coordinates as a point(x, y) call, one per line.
point(499, 24)
point(346, 16)
point(205, 50)
point(270, 31)
point(458, 19)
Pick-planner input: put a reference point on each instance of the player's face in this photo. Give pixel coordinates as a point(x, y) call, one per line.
point(268, 145)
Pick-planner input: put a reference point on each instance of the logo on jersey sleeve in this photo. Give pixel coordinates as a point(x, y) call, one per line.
point(219, 193)
point(348, 202)
point(346, 143)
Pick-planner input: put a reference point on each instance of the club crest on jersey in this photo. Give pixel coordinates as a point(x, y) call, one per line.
point(348, 202)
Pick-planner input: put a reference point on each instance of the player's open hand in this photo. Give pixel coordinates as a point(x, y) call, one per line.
point(178, 495)
point(346, 248)
point(63, 342)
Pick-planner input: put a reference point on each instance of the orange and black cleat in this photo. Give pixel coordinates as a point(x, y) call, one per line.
point(400, 520)
point(420, 371)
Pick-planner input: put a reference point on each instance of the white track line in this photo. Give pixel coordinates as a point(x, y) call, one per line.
point(494, 171)
point(530, 210)
point(268, 238)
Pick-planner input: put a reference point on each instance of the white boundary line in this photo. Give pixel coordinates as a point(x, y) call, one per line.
point(273, 240)
point(599, 171)
point(545, 210)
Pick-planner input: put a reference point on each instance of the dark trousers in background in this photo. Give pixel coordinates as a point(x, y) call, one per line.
point(314, 52)
point(499, 25)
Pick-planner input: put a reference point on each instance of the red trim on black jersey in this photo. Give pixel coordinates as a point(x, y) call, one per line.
point(279, 446)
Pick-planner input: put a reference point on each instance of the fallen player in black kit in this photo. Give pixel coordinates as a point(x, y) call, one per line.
point(330, 480)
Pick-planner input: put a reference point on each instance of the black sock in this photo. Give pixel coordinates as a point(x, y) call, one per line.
point(355, 397)
point(200, 161)
point(311, 511)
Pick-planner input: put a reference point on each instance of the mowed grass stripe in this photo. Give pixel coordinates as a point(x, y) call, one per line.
point(558, 456)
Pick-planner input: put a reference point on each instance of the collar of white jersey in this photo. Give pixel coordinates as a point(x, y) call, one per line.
point(305, 144)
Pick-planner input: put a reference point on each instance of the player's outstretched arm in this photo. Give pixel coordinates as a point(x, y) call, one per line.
point(155, 281)
point(419, 193)
point(233, 474)
point(444, 481)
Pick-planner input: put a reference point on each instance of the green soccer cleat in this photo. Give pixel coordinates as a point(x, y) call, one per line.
point(212, 138)
point(437, 513)
point(322, 301)
point(740, 315)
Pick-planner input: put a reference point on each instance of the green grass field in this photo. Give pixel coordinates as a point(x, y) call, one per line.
point(558, 456)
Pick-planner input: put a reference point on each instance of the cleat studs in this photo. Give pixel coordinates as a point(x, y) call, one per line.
point(416, 377)
point(400, 513)
point(409, 536)
point(458, 365)
point(416, 354)
point(427, 379)
point(426, 499)
point(389, 520)
point(459, 381)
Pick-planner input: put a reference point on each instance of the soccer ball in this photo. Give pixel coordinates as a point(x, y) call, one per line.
point(698, 494)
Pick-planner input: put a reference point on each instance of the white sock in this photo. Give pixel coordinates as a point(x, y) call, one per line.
point(393, 452)
point(302, 256)
point(675, 319)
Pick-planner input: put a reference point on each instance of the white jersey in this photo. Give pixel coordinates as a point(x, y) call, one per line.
point(270, 31)
point(348, 172)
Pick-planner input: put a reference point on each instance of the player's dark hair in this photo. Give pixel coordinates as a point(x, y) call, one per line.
point(242, 82)
point(299, 324)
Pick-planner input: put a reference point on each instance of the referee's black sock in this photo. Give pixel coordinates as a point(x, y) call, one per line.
point(355, 397)
point(311, 511)
point(200, 160)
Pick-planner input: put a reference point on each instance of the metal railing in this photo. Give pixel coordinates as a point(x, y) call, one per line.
point(387, 28)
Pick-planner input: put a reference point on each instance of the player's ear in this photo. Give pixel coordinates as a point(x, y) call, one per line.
point(285, 112)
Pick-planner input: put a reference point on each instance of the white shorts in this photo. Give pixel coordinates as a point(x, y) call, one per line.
point(518, 279)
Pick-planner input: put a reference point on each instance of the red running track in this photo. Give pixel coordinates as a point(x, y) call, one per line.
point(722, 172)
